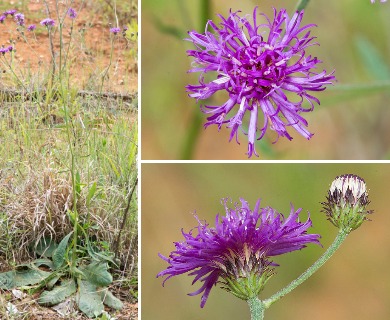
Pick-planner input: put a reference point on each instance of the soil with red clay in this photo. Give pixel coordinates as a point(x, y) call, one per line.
point(90, 50)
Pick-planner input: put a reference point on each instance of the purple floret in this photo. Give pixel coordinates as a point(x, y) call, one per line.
point(10, 12)
point(19, 18)
point(115, 30)
point(2, 18)
point(31, 27)
point(242, 235)
point(47, 22)
point(72, 13)
point(258, 65)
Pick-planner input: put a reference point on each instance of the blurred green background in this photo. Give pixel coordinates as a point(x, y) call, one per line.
point(354, 284)
point(352, 121)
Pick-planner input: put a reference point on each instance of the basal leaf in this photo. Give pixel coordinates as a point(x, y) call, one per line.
point(45, 247)
point(7, 280)
point(58, 294)
point(29, 277)
point(59, 253)
point(97, 273)
point(88, 299)
point(110, 300)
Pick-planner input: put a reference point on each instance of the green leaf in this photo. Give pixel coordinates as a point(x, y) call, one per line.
point(58, 294)
point(91, 193)
point(43, 262)
point(59, 253)
point(22, 277)
point(45, 247)
point(372, 59)
point(88, 299)
point(7, 280)
point(97, 273)
point(110, 300)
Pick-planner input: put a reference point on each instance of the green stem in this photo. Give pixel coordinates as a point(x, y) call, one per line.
point(302, 5)
point(196, 117)
point(256, 308)
point(341, 236)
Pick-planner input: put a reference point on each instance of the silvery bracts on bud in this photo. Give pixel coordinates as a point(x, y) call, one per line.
point(346, 208)
point(347, 201)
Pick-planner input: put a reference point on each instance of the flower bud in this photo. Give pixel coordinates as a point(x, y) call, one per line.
point(346, 202)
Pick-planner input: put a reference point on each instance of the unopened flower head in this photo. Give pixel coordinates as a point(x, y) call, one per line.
point(258, 65)
point(237, 252)
point(47, 22)
point(115, 30)
point(72, 13)
point(347, 201)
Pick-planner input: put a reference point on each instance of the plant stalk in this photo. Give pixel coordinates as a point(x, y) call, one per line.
point(196, 117)
point(341, 236)
point(256, 308)
point(302, 5)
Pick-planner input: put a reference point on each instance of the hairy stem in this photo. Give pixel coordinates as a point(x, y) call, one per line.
point(256, 308)
point(341, 236)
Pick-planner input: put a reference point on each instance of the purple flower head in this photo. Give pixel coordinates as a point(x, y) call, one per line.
point(115, 30)
point(2, 18)
point(125, 28)
point(72, 13)
point(258, 70)
point(19, 18)
point(10, 48)
point(10, 12)
point(237, 249)
point(3, 50)
point(31, 27)
point(47, 22)
point(373, 1)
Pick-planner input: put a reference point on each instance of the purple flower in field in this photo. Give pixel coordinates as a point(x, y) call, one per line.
point(115, 30)
point(236, 252)
point(3, 50)
point(10, 48)
point(258, 70)
point(10, 12)
point(47, 22)
point(72, 13)
point(31, 27)
point(19, 18)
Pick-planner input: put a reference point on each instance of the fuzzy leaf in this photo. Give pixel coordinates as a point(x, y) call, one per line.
point(110, 300)
point(45, 247)
point(59, 253)
point(7, 280)
point(43, 262)
point(89, 300)
point(97, 273)
point(58, 294)
point(20, 278)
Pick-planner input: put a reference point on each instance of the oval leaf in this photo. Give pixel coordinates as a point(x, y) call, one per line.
point(59, 253)
point(58, 294)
